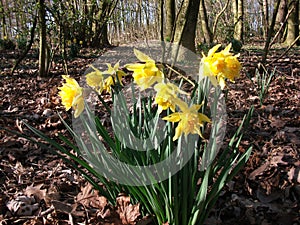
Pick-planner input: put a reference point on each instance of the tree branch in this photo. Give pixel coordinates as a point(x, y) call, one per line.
point(28, 47)
point(218, 17)
point(283, 54)
point(282, 25)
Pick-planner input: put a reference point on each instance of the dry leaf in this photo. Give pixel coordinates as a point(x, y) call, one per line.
point(294, 175)
point(22, 206)
point(258, 171)
point(128, 213)
point(277, 123)
point(62, 207)
point(90, 198)
point(36, 191)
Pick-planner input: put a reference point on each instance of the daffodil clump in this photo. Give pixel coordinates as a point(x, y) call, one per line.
point(146, 75)
point(166, 167)
point(217, 66)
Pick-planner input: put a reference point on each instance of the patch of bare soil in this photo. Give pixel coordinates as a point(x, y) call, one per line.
point(37, 187)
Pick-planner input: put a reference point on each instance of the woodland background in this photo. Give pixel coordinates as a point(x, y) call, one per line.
point(54, 26)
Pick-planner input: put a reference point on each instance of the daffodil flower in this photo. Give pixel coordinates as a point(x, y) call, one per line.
point(95, 80)
point(145, 74)
point(72, 95)
point(114, 75)
point(189, 120)
point(219, 66)
point(166, 96)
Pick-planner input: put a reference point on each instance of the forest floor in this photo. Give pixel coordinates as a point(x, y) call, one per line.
point(39, 185)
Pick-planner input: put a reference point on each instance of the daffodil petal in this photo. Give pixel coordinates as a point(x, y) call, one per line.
point(71, 95)
point(222, 83)
point(79, 107)
point(203, 118)
point(213, 80)
point(178, 132)
point(181, 104)
point(174, 117)
point(135, 66)
point(213, 50)
point(141, 56)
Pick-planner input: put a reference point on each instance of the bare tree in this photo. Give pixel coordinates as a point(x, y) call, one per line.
point(207, 33)
point(185, 30)
point(238, 12)
point(281, 19)
point(270, 30)
point(265, 14)
point(170, 18)
point(43, 61)
point(3, 20)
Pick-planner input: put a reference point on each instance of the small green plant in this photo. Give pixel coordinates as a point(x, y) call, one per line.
point(21, 42)
point(262, 81)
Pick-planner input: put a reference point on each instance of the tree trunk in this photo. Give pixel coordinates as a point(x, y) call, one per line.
point(43, 45)
point(238, 10)
point(280, 19)
point(185, 31)
point(3, 20)
point(161, 18)
point(170, 18)
point(207, 34)
point(28, 47)
point(270, 30)
point(83, 31)
point(100, 37)
point(9, 13)
point(104, 42)
point(214, 30)
point(265, 15)
point(293, 23)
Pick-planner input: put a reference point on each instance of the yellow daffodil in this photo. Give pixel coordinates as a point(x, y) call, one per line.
point(145, 74)
point(222, 65)
point(166, 96)
point(189, 120)
point(72, 95)
point(95, 80)
point(114, 75)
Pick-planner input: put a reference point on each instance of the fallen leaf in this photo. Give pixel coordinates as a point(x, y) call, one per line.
point(62, 207)
point(22, 206)
point(258, 171)
point(128, 213)
point(277, 123)
point(36, 191)
point(294, 174)
point(89, 197)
